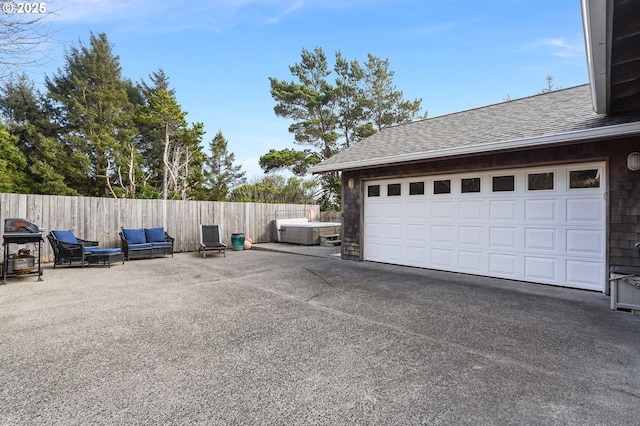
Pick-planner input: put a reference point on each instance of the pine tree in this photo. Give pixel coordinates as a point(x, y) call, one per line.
point(221, 173)
point(25, 112)
point(385, 104)
point(310, 102)
point(12, 163)
point(352, 115)
point(171, 150)
point(93, 109)
point(330, 117)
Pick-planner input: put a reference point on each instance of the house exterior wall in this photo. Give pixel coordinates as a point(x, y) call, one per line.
point(623, 221)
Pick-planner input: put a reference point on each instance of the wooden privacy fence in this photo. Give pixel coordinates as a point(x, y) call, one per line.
point(330, 216)
point(100, 219)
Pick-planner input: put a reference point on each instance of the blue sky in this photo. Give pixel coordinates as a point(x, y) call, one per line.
point(219, 54)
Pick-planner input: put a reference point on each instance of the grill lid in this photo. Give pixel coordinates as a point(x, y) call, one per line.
point(18, 230)
point(17, 225)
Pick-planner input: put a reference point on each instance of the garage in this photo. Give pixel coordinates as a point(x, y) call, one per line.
point(544, 224)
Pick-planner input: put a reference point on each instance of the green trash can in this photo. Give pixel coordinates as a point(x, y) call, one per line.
point(237, 241)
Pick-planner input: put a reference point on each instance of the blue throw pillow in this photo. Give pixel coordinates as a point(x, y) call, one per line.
point(65, 236)
point(154, 235)
point(133, 236)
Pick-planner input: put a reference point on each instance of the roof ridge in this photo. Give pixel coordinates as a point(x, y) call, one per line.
point(504, 102)
point(484, 106)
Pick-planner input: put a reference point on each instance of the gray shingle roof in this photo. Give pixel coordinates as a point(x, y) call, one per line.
point(544, 117)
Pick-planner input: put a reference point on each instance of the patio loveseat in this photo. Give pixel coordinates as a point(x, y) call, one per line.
point(145, 243)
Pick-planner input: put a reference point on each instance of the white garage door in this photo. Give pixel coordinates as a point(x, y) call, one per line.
point(544, 225)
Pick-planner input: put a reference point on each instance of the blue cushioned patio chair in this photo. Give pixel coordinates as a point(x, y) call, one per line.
point(67, 248)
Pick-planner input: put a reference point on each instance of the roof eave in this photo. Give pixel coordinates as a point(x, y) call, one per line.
point(596, 37)
point(607, 132)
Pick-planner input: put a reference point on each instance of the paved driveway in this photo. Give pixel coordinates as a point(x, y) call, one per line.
point(267, 338)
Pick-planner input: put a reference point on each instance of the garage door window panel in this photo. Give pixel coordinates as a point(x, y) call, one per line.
point(416, 188)
point(469, 185)
point(540, 181)
point(373, 191)
point(442, 186)
point(394, 190)
point(504, 183)
point(579, 179)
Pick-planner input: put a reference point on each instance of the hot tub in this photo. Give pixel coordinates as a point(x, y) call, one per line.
point(301, 231)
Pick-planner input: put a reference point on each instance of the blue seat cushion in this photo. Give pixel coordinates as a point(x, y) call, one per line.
point(106, 251)
point(154, 235)
point(140, 246)
point(90, 249)
point(162, 244)
point(134, 236)
point(65, 236)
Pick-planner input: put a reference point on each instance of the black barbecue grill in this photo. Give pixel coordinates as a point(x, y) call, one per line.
point(20, 231)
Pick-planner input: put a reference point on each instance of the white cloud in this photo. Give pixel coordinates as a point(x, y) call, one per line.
point(99, 10)
point(563, 48)
point(190, 13)
point(176, 15)
point(428, 30)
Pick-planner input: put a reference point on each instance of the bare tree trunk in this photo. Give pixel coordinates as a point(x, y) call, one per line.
point(165, 158)
point(108, 181)
point(132, 174)
point(176, 172)
point(174, 169)
point(185, 181)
